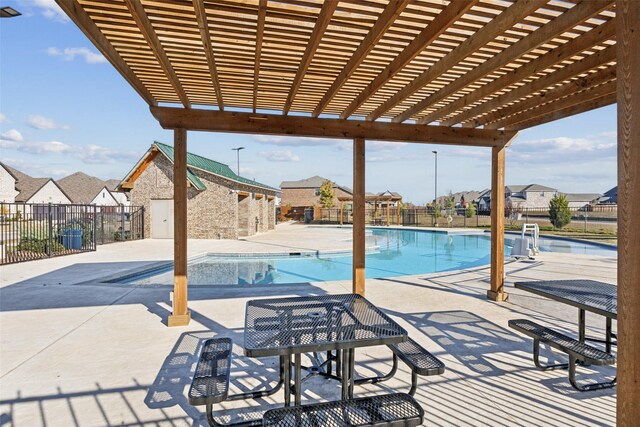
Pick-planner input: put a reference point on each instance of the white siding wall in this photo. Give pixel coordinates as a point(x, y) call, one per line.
point(121, 198)
point(104, 198)
point(8, 191)
point(49, 193)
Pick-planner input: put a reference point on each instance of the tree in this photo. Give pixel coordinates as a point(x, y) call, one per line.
point(327, 194)
point(559, 213)
point(449, 202)
point(470, 210)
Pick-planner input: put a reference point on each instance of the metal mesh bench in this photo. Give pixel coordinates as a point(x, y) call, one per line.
point(210, 382)
point(416, 357)
point(386, 410)
point(577, 351)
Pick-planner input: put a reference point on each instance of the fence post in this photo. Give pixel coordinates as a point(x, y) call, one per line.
point(122, 235)
point(50, 231)
point(95, 227)
point(142, 222)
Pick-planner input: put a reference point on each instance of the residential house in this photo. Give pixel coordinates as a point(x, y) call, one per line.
point(305, 193)
point(84, 189)
point(220, 204)
point(520, 197)
point(582, 200)
point(8, 180)
point(610, 197)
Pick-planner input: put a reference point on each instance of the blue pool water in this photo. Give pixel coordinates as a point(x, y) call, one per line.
point(397, 253)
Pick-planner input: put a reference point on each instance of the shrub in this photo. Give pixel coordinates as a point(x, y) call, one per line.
point(559, 213)
point(470, 211)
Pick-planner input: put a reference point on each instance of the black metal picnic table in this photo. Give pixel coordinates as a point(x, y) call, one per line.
point(288, 327)
point(587, 295)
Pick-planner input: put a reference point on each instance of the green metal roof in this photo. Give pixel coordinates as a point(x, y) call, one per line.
point(210, 166)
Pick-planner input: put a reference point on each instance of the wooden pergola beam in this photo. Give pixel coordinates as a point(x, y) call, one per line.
point(386, 19)
point(574, 16)
point(93, 33)
point(628, 389)
point(439, 25)
point(262, 15)
point(590, 62)
point(272, 124)
point(144, 25)
point(574, 47)
point(555, 110)
point(506, 20)
point(589, 86)
point(324, 18)
point(203, 25)
point(589, 104)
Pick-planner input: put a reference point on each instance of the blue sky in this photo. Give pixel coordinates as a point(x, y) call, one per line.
point(64, 108)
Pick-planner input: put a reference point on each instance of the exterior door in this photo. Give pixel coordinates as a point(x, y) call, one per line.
point(162, 219)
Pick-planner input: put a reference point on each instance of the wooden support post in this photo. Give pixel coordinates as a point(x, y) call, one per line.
point(341, 212)
point(180, 316)
point(387, 213)
point(628, 37)
point(496, 292)
point(358, 217)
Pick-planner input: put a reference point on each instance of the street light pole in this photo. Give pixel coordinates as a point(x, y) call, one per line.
point(237, 150)
point(435, 198)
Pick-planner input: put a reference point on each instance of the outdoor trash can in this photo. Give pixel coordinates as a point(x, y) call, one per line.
point(72, 238)
point(308, 216)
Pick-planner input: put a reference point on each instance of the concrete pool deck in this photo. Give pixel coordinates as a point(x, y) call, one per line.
point(76, 352)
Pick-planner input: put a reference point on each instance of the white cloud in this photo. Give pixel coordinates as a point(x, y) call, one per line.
point(91, 154)
point(35, 169)
point(40, 122)
point(294, 141)
point(12, 135)
point(3, 118)
point(279, 156)
point(566, 150)
point(70, 53)
point(50, 10)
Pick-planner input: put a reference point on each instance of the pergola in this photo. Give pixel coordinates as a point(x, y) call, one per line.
point(464, 72)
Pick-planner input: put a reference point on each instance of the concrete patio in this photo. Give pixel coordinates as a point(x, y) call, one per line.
point(78, 352)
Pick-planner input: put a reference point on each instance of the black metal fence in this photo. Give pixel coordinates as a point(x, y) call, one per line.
point(598, 219)
point(34, 231)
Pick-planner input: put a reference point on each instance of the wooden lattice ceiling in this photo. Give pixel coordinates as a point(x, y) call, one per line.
point(488, 64)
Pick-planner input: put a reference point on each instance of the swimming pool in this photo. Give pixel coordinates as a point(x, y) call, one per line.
point(397, 253)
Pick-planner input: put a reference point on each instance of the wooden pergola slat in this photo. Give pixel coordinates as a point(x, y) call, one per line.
point(600, 58)
point(324, 18)
point(505, 21)
point(559, 25)
point(262, 13)
point(203, 25)
point(387, 18)
point(568, 50)
point(440, 24)
point(587, 102)
point(537, 105)
point(93, 33)
point(142, 20)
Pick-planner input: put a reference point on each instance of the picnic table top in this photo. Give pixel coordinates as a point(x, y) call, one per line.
point(283, 326)
point(589, 295)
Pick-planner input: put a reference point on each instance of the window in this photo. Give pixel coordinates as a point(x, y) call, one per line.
point(317, 192)
point(542, 193)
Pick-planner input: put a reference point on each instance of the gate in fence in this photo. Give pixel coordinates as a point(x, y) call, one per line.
point(34, 231)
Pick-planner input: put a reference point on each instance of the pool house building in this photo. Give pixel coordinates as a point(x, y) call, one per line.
point(459, 72)
point(220, 204)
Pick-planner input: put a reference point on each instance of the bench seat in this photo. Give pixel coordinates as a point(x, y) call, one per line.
point(418, 359)
point(577, 351)
point(211, 379)
point(386, 410)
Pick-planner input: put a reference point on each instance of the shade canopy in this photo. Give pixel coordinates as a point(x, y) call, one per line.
point(482, 64)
